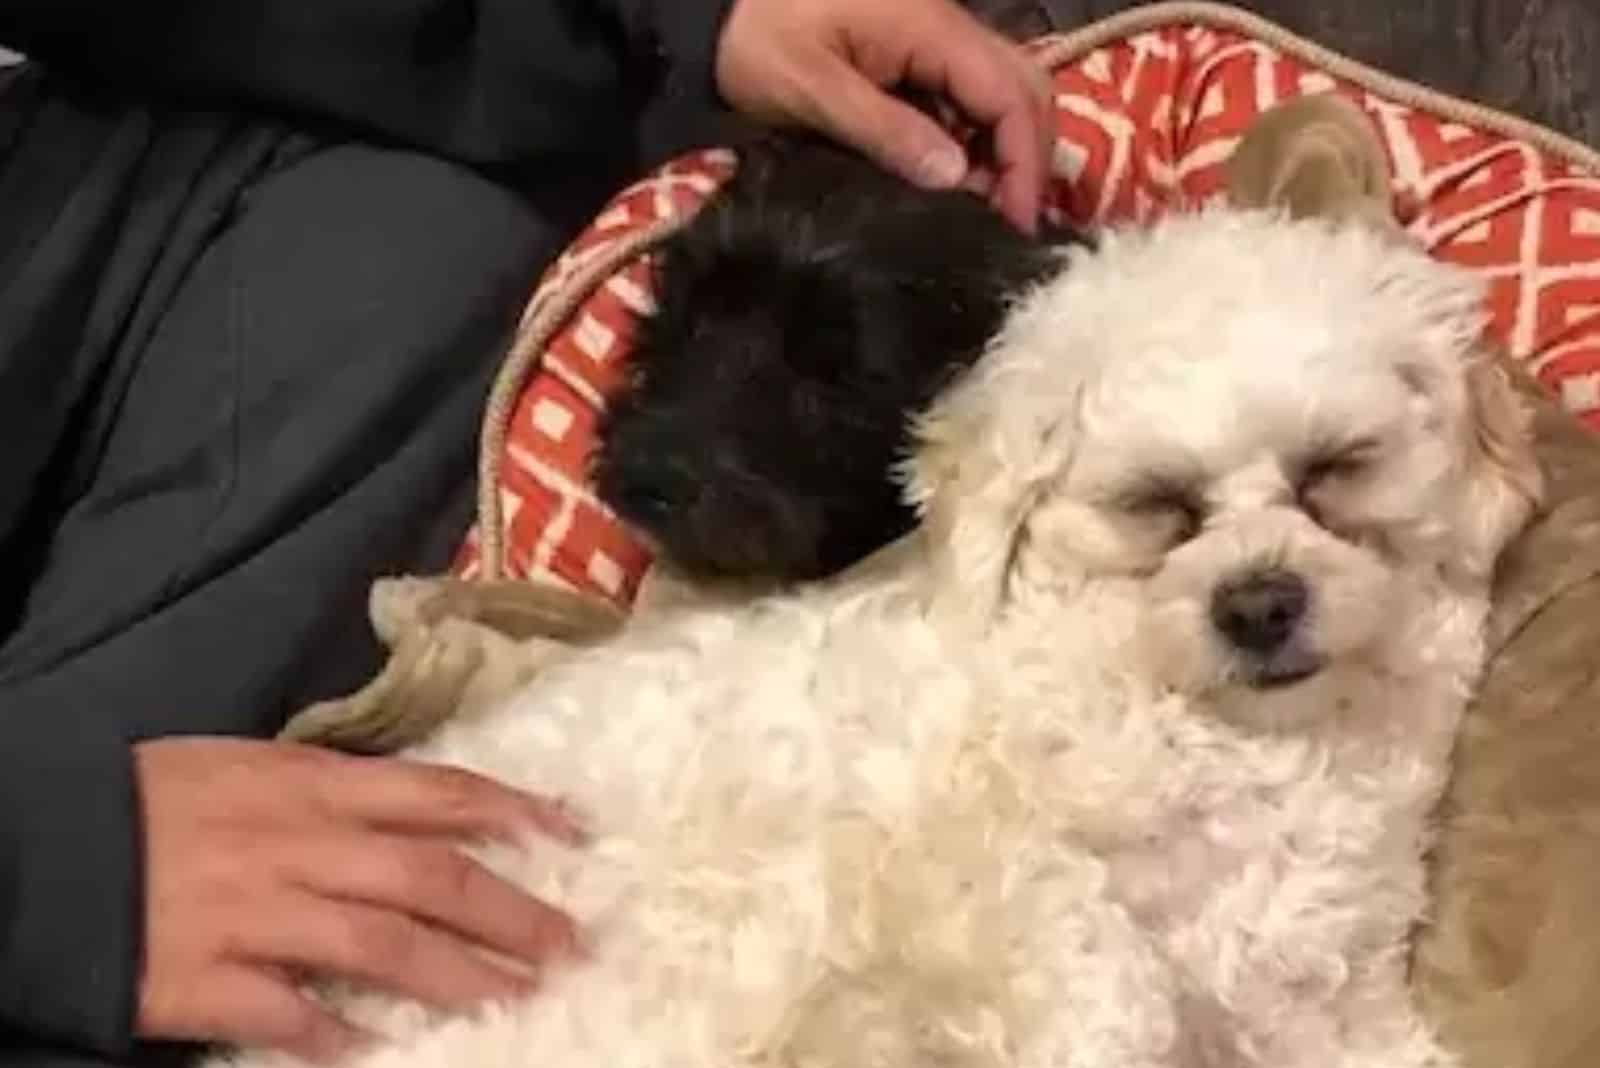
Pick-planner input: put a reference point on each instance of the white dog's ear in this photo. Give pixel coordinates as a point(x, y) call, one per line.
point(984, 452)
point(1488, 423)
point(1504, 483)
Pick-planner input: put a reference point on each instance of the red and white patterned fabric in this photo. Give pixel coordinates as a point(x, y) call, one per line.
point(553, 526)
point(1144, 125)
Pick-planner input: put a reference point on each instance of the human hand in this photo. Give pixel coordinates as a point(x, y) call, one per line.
point(826, 64)
point(268, 863)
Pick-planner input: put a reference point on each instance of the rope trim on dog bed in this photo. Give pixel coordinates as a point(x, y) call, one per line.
point(1052, 51)
point(525, 356)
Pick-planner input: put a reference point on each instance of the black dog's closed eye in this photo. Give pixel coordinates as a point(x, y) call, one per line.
point(803, 317)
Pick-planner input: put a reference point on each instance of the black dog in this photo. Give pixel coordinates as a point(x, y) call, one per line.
point(804, 316)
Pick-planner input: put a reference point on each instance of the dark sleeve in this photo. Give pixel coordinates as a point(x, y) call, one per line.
point(71, 910)
point(483, 81)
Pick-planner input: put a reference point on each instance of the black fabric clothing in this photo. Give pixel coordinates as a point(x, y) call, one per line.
point(247, 327)
point(522, 82)
point(21, 1054)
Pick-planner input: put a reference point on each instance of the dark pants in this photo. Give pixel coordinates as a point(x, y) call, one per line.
point(241, 375)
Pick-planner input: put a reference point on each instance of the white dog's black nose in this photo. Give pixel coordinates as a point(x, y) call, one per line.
point(1259, 612)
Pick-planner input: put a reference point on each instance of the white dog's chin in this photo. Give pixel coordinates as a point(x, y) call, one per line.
point(1288, 705)
point(1293, 685)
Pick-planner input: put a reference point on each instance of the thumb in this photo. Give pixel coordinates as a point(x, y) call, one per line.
point(892, 133)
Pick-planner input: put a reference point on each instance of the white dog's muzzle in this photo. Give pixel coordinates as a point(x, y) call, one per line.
point(1263, 599)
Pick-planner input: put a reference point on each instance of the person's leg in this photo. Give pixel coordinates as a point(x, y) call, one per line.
point(301, 418)
point(103, 204)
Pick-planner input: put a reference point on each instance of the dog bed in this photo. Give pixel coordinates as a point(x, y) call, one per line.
point(1528, 57)
point(1148, 106)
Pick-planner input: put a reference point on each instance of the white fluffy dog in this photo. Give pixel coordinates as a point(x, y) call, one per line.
point(1124, 760)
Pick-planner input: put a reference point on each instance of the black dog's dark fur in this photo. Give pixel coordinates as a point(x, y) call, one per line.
point(803, 316)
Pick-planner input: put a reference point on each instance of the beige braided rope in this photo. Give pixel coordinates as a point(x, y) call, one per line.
point(526, 355)
point(1055, 51)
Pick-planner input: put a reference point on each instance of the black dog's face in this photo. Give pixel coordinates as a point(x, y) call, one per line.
point(755, 435)
point(802, 320)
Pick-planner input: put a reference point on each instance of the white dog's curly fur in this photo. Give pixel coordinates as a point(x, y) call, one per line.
point(1013, 796)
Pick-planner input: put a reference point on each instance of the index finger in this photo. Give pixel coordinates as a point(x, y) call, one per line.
point(394, 794)
point(438, 883)
point(995, 85)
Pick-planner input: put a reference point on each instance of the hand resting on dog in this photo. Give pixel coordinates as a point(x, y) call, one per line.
point(267, 861)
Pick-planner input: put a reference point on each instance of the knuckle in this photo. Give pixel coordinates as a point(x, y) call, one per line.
point(299, 1026)
point(308, 761)
point(799, 96)
point(457, 792)
point(435, 874)
point(375, 942)
point(457, 875)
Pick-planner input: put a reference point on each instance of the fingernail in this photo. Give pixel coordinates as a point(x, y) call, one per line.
point(942, 168)
point(578, 945)
point(527, 982)
point(572, 825)
point(557, 820)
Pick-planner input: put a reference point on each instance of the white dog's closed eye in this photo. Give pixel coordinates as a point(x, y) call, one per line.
point(1162, 512)
point(1158, 512)
point(1326, 479)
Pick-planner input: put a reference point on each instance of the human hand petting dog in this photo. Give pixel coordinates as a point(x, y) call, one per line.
point(827, 64)
point(268, 863)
